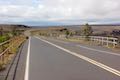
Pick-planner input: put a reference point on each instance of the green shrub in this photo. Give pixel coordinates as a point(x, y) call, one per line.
point(3, 38)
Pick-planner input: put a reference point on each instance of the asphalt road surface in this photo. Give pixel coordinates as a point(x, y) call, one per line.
point(52, 59)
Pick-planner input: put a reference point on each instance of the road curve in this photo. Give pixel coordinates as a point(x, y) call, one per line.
point(47, 62)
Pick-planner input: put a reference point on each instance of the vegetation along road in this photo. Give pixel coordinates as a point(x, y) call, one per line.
point(50, 55)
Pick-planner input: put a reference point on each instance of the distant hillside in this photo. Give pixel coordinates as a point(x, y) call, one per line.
point(9, 27)
point(100, 30)
point(77, 27)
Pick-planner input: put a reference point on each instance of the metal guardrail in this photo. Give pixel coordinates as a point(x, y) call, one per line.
point(108, 41)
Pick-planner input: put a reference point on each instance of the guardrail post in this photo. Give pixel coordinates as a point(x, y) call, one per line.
point(107, 42)
point(114, 43)
point(91, 39)
point(102, 41)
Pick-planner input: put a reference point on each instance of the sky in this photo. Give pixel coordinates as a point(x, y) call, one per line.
point(59, 12)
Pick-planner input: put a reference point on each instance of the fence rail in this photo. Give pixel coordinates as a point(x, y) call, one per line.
point(11, 45)
point(108, 41)
point(5, 42)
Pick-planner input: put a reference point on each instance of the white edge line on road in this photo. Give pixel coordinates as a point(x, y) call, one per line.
point(26, 77)
point(103, 66)
point(117, 54)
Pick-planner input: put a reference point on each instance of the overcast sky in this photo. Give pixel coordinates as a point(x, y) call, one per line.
point(60, 11)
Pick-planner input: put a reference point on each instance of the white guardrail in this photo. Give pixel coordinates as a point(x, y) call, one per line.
point(101, 40)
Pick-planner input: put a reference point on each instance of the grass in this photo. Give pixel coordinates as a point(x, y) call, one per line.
point(77, 40)
point(12, 51)
point(6, 36)
point(3, 38)
point(117, 48)
point(2, 66)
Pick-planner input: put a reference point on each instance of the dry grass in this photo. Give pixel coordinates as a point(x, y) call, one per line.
point(12, 51)
point(117, 48)
point(76, 40)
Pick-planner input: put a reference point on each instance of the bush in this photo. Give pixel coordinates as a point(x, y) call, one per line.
point(87, 30)
point(27, 37)
point(3, 38)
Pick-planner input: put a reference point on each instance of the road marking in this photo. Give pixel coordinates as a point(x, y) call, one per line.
point(26, 77)
point(103, 66)
point(117, 54)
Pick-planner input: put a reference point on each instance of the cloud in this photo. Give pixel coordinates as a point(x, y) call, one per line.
point(59, 10)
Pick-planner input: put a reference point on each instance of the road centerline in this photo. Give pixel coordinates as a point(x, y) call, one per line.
point(26, 77)
point(103, 66)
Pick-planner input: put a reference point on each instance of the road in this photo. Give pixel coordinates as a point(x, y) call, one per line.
point(52, 59)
